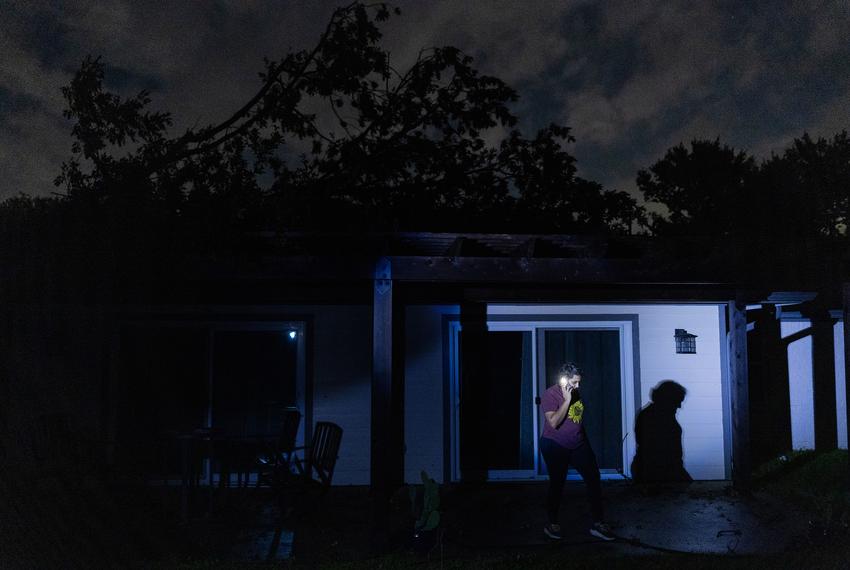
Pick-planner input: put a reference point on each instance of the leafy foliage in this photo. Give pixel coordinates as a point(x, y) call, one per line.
point(337, 137)
point(702, 187)
point(425, 503)
point(712, 189)
point(808, 186)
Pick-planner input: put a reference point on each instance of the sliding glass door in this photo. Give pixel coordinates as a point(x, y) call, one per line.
point(253, 381)
point(519, 360)
point(597, 354)
point(181, 376)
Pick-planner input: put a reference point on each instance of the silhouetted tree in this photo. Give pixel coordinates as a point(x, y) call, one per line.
point(711, 189)
point(707, 189)
point(552, 198)
point(393, 148)
point(807, 187)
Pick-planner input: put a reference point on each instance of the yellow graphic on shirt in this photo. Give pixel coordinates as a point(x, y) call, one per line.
point(576, 411)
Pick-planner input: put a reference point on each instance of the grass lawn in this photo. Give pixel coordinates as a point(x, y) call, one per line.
point(814, 483)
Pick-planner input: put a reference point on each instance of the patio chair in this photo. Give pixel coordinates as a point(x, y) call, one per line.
point(296, 492)
point(235, 455)
point(302, 493)
point(275, 461)
point(320, 456)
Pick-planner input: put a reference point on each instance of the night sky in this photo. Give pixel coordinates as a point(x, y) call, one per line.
point(631, 79)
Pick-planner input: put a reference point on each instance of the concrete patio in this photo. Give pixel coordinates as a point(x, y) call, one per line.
point(52, 524)
point(702, 517)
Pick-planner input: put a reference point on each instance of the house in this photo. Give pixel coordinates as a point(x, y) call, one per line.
point(430, 350)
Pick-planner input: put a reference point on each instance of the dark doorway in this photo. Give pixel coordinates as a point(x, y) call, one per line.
point(178, 379)
point(253, 381)
point(509, 396)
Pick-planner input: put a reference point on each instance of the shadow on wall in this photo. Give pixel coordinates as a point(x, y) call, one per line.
point(659, 437)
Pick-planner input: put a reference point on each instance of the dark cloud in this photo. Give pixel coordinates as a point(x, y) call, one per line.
point(631, 78)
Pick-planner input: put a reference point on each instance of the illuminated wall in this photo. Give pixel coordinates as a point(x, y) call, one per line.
point(800, 384)
point(800, 387)
point(424, 391)
point(342, 383)
point(840, 386)
point(702, 374)
point(705, 437)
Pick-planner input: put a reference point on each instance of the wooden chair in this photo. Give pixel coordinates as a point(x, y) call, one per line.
point(321, 455)
point(302, 494)
point(274, 461)
point(288, 434)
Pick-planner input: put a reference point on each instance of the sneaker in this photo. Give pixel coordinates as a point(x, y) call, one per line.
point(602, 531)
point(553, 531)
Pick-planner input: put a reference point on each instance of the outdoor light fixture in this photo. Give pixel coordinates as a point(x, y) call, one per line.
point(292, 334)
point(686, 342)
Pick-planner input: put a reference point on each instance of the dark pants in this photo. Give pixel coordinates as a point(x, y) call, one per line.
point(558, 460)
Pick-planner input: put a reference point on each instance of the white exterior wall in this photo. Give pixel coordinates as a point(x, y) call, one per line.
point(701, 374)
point(840, 386)
point(424, 391)
point(342, 381)
point(800, 385)
point(702, 413)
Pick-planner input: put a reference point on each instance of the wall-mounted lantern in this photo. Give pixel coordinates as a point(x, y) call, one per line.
point(686, 343)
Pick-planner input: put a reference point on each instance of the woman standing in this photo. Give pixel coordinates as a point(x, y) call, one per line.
point(564, 443)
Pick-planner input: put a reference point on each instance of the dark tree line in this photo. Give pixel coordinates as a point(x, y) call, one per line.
point(711, 189)
point(390, 149)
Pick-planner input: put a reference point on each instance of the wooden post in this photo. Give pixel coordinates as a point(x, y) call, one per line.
point(473, 410)
point(382, 402)
point(770, 422)
point(382, 451)
point(846, 303)
point(739, 385)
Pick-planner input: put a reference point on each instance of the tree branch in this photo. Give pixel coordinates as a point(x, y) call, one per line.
point(206, 134)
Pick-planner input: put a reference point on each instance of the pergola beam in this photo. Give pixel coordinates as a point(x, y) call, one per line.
point(591, 270)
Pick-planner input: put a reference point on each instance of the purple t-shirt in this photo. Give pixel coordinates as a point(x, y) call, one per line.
point(570, 433)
